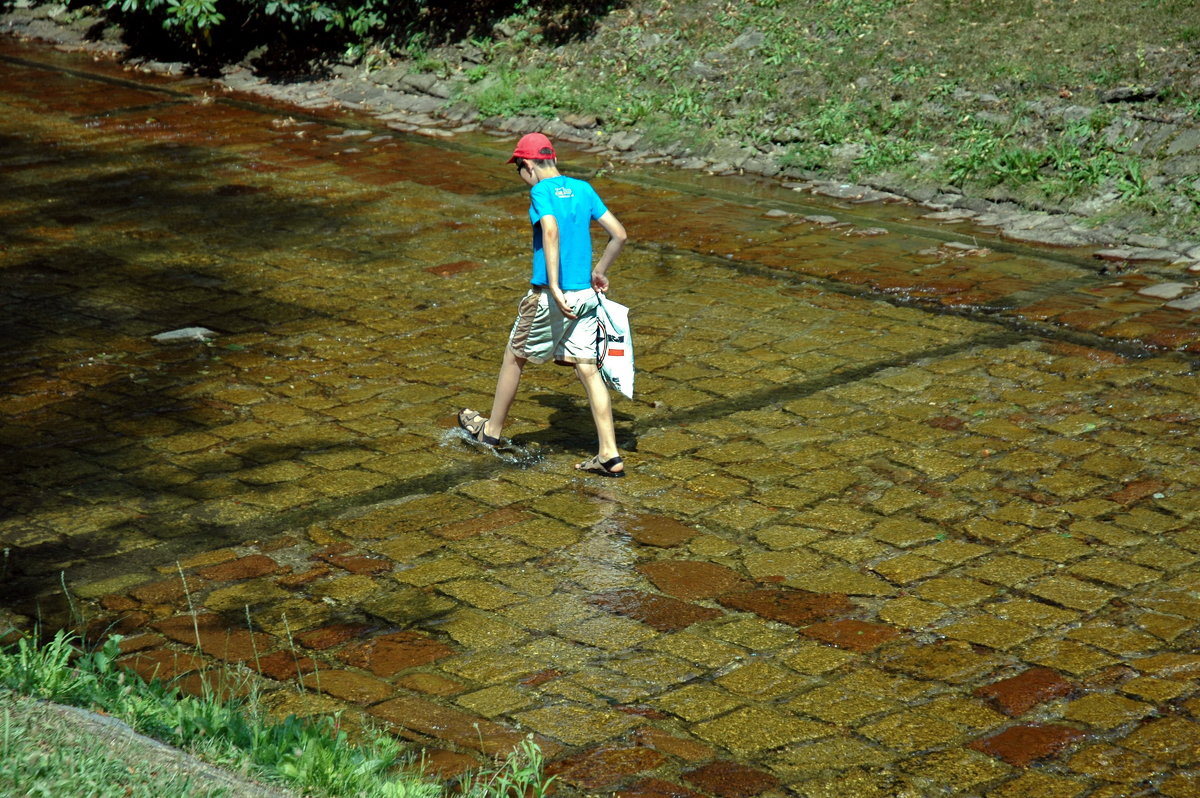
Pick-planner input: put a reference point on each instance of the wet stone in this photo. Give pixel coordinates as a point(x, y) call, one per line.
point(690, 580)
point(909, 732)
point(661, 613)
point(657, 530)
point(388, 655)
point(731, 780)
point(1018, 694)
point(851, 634)
point(348, 686)
point(1022, 745)
point(493, 701)
point(242, 568)
point(685, 749)
point(656, 788)
point(753, 729)
point(576, 725)
point(460, 728)
point(166, 591)
point(604, 767)
point(793, 607)
point(211, 635)
point(1105, 711)
point(331, 636)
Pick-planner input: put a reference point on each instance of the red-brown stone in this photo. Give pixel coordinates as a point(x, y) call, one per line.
point(215, 638)
point(451, 725)
point(641, 711)
point(658, 612)
point(659, 740)
point(356, 688)
point(793, 607)
point(1137, 490)
point(360, 564)
point(1020, 745)
point(140, 642)
point(854, 635)
point(1172, 337)
point(691, 579)
point(387, 655)
point(541, 677)
point(447, 765)
point(489, 522)
point(216, 683)
point(1098, 355)
point(457, 267)
point(161, 663)
point(165, 591)
point(658, 530)
point(1089, 319)
point(731, 780)
point(946, 422)
point(1019, 694)
point(283, 666)
point(281, 542)
point(115, 603)
point(330, 636)
point(604, 767)
point(122, 624)
point(246, 567)
point(657, 788)
point(293, 581)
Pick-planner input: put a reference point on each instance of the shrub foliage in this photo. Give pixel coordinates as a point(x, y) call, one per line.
point(218, 29)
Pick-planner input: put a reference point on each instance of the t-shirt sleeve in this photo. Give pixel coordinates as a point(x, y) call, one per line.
point(598, 208)
point(540, 204)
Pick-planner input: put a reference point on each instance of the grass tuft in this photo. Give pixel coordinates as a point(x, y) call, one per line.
point(312, 755)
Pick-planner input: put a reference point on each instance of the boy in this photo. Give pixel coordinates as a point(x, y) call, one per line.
point(557, 318)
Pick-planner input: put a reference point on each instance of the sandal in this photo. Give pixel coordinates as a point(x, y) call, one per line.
point(603, 469)
point(472, 423)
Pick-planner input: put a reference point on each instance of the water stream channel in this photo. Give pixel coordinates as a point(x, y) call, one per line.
point(911, 509)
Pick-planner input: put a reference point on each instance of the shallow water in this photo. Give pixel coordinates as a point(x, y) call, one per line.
point(873, 475)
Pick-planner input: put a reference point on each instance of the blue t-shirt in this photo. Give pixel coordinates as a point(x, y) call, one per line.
point(573, 204)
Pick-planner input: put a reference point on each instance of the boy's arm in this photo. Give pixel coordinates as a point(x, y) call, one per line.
point(551, 249)
point(616, 242)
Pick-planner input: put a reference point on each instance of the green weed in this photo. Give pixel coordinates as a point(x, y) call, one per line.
point(313, 755)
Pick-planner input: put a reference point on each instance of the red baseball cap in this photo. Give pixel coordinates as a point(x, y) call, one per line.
point(533, 145)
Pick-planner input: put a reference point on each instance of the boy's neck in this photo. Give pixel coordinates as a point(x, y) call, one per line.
point(546, 172)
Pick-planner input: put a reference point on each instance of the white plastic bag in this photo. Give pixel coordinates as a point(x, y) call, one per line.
point(614, 345)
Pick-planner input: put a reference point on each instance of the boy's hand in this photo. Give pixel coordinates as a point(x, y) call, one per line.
point(599, 282)
point(561, 301)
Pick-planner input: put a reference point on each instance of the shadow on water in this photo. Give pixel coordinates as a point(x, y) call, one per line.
point(106, 246)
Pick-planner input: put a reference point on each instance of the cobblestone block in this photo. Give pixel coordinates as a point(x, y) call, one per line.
point(752, 729)
point(1018, 694)
point(604, 766)
point(1021, 745)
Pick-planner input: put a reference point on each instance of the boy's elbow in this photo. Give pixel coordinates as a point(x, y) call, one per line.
point(620, 236)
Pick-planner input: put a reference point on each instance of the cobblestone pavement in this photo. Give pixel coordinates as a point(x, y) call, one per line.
point(910, 513)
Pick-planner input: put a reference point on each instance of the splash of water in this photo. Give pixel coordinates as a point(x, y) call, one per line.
point(508, 451)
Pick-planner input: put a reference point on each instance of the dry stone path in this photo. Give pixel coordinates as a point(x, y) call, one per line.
point(909, 513)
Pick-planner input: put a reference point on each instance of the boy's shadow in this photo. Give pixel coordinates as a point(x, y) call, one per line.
point(570, 426)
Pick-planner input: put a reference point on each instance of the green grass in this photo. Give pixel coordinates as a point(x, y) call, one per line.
point(311, 755)
point(44, 756)
point(906, 82)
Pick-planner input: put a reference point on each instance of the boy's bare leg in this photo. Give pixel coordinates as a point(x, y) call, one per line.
point(507, 383)
point(601, 405)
